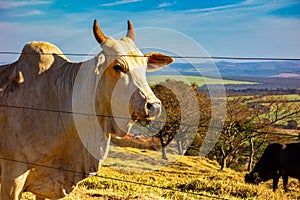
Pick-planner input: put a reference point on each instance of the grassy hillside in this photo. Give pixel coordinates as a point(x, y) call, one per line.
point(187, 178)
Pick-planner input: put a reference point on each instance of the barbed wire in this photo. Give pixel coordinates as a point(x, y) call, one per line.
point(85, 114)
point(118, 117)
point(174, 56)
point(160, 187)
point(127, 118)
point(109, 178)
point(60, 111)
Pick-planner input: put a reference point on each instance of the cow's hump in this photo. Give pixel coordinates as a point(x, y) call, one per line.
point(41, 56)
point(36, 58)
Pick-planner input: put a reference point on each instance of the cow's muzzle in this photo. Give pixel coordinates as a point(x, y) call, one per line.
point(144, 107)
point(153, 110)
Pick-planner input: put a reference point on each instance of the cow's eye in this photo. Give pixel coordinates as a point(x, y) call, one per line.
point(118, 68)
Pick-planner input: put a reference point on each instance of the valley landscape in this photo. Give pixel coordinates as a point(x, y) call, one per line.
point(262, 75)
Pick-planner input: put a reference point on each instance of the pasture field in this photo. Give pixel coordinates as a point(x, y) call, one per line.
point(188, 178)
point(292, 101)
point(289, 97)
point(293, 96)
point(193, 79)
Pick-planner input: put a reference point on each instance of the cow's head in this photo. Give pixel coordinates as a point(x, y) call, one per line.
point(123, 91)
point(266, 168)
point(261, 175)
point(253, 178)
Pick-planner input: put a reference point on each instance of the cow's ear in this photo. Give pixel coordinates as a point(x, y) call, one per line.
point(157, 60)
point(99, 62)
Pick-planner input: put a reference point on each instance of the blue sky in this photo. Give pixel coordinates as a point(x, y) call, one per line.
point(246, 28)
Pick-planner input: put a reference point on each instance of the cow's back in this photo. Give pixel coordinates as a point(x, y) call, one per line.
point(269, 158)
point(290, 160)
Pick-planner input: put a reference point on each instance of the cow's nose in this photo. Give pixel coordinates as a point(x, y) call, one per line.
point(154, 109)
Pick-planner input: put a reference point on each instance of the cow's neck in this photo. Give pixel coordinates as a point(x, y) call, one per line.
point(83, 81)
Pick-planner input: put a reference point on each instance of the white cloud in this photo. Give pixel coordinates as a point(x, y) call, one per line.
point(163, 5)
point(220, 8)
point(120, 2)
point(28, 13)
point(6, 4)
point(247, 5)
point(63, 34)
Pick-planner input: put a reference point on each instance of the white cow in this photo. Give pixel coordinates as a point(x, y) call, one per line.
point(43, 82)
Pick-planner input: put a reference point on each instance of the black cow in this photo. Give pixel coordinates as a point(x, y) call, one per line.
point(277, 160)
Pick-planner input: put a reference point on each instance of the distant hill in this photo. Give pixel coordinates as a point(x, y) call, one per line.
point(290, 69)
point(269, 75)
point(283, 69)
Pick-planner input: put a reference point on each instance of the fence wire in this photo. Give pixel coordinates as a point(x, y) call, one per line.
point(174, 56)
point(110, 178)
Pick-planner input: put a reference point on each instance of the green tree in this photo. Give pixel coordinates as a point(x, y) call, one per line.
point(181, 116)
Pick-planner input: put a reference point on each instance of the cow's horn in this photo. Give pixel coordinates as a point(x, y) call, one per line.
point(130, 31)
point(100, 37)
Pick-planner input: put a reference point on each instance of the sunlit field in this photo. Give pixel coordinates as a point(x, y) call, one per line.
point(187, 178)
point(199, 80)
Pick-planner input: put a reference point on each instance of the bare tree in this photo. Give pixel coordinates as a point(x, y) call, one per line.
point(248, 126)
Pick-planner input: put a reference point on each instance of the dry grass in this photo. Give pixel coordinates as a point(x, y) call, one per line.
point(187, 178)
